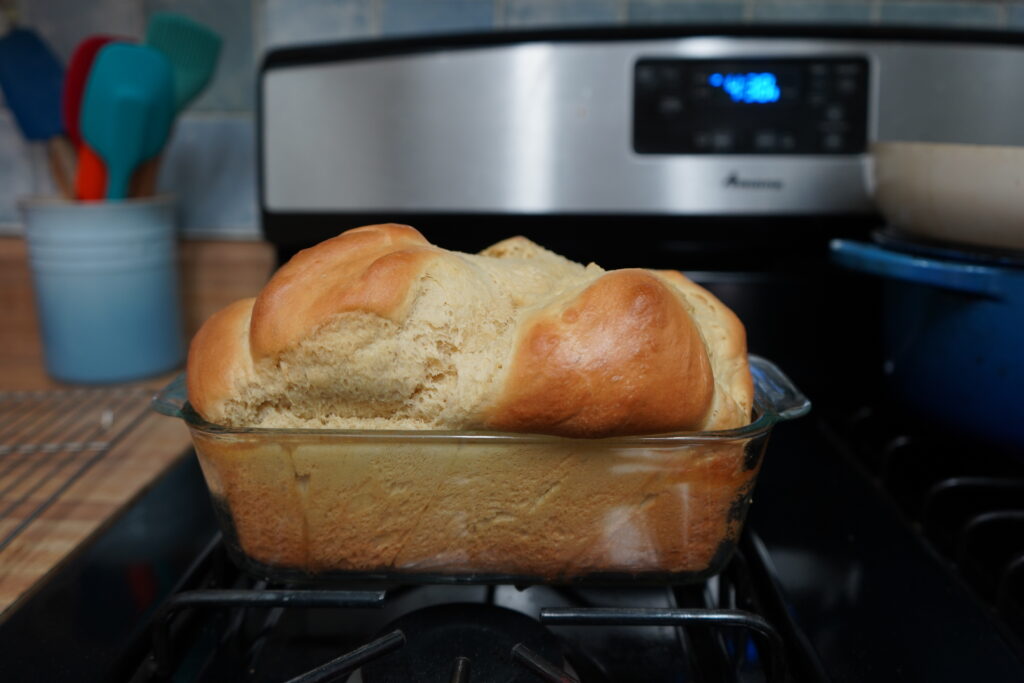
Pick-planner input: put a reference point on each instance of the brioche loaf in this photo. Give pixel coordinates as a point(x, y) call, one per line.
point(378, 329)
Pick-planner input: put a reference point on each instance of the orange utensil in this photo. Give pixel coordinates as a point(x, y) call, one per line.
point(91, 178)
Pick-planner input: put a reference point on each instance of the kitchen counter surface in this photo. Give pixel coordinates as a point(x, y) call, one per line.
point(213, 274)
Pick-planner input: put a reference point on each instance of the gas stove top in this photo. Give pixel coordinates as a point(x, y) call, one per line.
point(228, 627)
point(832, 581)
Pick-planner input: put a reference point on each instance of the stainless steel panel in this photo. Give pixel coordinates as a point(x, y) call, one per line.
point(545, 127)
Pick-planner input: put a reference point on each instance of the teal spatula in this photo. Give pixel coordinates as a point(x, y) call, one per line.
point(127, 109)
point(191, 48)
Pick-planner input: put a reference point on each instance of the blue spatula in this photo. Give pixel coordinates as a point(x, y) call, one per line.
point(32, 79)
point(127, 109)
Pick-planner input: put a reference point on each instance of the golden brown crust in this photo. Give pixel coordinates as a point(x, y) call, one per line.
point(366, 269)
point(726, 340)
point(219, 358)
point(378, 325)
point(620, 357)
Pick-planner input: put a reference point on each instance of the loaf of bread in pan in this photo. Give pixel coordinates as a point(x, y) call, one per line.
point(379, 329)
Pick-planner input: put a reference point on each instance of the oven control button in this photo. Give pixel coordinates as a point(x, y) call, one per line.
point(834, 113)
point(670, 76)
point(787, 142)
point(846, 86)
point(722, 140)
point(832, 142)
point(766, 141)
point(702, 140)
point(670, 105)
point(647, 76)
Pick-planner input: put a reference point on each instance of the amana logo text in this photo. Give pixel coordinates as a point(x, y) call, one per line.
point(734, 180)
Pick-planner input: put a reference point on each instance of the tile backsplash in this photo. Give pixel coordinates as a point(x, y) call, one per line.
point(210, 161)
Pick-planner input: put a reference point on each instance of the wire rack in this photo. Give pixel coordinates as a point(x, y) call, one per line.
point(50, 439)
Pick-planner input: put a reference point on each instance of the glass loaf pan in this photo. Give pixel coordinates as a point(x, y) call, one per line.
point(325, 506)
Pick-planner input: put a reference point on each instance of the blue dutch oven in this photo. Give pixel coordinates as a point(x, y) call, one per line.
point(954, 336)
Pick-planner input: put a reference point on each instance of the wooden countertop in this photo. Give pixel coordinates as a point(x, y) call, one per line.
point(213, 274)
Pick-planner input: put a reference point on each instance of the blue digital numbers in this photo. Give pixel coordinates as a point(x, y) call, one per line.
point(751, 88)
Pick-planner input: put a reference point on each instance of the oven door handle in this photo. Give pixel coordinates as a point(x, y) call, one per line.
point(961, 277)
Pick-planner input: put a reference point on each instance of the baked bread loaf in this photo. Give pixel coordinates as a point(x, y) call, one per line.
point(378, 329)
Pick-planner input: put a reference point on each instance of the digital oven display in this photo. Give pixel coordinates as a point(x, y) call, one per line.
point(750, 106)
point(748, 88)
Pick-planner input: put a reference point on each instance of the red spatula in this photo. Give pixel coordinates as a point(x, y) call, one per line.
point(74, 83)
point(90, 175)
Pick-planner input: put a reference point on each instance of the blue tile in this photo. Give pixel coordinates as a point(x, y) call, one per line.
point(561, 12)
point(1016, 17)
point(65, 23)
point(294, 22)
point(16, 171)
point(407, 17)
point(210, 164)
point(814, 12)
point(973, 15)
point(658, 11)
point(232, 86)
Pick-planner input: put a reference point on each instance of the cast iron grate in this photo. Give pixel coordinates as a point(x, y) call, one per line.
point(966, 499)
point(49, 439)
point(727, 633)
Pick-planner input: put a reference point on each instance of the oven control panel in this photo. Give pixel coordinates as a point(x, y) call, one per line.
point(750, 106)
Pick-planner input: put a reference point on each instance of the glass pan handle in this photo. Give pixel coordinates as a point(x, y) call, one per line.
point(171, 399)
point(777, 392)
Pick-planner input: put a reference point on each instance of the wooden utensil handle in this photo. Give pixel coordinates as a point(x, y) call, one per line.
point(144, 178)
point(61, 157)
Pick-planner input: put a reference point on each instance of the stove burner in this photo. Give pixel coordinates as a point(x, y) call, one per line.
point(447, 642)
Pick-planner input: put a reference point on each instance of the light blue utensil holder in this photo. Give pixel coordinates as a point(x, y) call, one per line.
point(106, 285)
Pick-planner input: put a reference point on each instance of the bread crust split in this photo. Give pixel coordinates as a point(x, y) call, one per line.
point(379, 329)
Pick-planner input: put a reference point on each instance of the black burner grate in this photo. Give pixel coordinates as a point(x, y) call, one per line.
point(966, 499)
point(224, 626)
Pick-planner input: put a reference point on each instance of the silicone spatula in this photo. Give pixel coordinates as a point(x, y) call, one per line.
point(31, 78)
point(127, 109)
point(74, 82)
point(191, 48)
point(90, 175)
